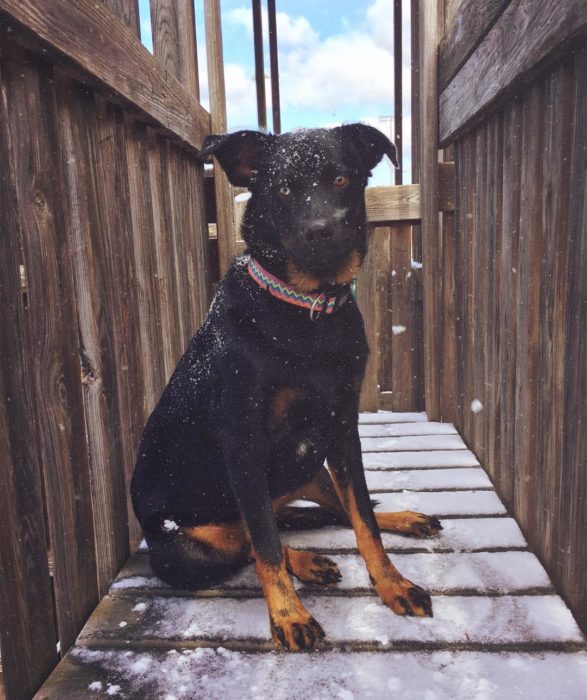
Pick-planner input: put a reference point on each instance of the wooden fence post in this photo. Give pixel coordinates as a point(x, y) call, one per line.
point(218, 125)
point(428, 119)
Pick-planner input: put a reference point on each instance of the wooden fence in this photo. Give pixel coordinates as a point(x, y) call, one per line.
point(512, 287)
point(104, 276)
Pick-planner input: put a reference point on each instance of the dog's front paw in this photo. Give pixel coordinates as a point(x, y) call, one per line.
point(405, 598)
point(296, 633)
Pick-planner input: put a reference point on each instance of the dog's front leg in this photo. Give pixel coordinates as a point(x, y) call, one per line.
point(346, 467)
point(246, 454)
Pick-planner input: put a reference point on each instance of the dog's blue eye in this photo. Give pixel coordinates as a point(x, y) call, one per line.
point(284, 191)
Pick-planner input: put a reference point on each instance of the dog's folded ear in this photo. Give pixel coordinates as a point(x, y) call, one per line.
point(370, 143)
point(237, 153)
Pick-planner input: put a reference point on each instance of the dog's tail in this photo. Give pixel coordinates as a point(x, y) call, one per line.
point(311, 517)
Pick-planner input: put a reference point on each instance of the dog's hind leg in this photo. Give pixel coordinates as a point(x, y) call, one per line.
point(198, 557)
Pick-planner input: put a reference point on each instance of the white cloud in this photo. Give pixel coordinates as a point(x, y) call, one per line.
point(344, 69)
point(291, 31)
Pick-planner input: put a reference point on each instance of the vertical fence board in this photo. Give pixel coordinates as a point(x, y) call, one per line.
point(508, 293)
point(369, 297)
point(428, 117)
point(128, 12)
point(528, 379)
point(174, 40)
point(218, 125)
point(53, 378)
point(112, 236)
point(28, 634)
point(400, 342)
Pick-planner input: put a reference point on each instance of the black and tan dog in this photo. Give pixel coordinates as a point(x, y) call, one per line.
point(268, 389)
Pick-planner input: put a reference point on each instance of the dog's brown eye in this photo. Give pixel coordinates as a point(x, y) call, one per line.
point(341, 181)
point(284, 191)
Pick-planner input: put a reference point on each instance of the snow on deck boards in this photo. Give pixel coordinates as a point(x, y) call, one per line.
point(465, 620)
point(457, 535)
point(413, 443)
point(399, 429)
point(450, 573)
point(420, 460)
point(216, 674)
point(391, 417)
point(428, 479)
point(498, 631)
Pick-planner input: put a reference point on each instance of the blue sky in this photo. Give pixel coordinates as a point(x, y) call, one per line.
point(335, 60)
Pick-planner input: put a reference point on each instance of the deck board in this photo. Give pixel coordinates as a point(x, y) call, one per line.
point(499, 629)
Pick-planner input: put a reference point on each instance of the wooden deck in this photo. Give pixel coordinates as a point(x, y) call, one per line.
point(499, 629)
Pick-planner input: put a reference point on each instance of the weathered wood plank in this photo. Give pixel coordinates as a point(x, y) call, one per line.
point(489, 573)
point(469, 620)
point(109, 55)
point(525, 35)
point(215, 676)
point(401, 336)
point(370, 281)
point(27, 633)
point(390, 204)
point(112, 242)
point(218, 125)
point(174, 41)
point(148, 296)
point(509, 265)
point(469, 22)
point(53, 383)
point(429, 38)
point(128, 12)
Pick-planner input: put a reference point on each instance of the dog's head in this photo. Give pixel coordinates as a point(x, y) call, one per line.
point(307, 208)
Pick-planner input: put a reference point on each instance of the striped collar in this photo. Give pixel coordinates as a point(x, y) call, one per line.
point(318, 302)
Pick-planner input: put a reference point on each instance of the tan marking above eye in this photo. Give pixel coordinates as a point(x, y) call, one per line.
point(341, 181)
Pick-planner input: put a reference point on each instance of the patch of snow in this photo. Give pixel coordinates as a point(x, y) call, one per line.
point(403, 429)
point(397, 330)
point(455, 675)
point(416, 265)
point(140, 607)
point(417, 479)
point(410, 443)
point(391, 417)
point(459, 535)
point(170, 525)
point(122, 624)
point(243, 197)
point(476, 406)
point(95, 685)
point(420, 460)
point(113, 689)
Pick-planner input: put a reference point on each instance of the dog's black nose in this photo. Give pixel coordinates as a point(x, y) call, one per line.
point(318, 232)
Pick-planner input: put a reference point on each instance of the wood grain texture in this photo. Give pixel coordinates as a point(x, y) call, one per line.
point(518, 310)
point(389, 204)
point(467, 22)
point(53, 387)
point(128, 12)
point(107, 54)
point(525, 35)
point(218, 125)
point(428, 117)
point(27, 633)
point(369, 299)
point(174, 41)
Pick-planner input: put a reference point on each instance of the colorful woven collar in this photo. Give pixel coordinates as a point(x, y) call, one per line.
point(317, 302)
